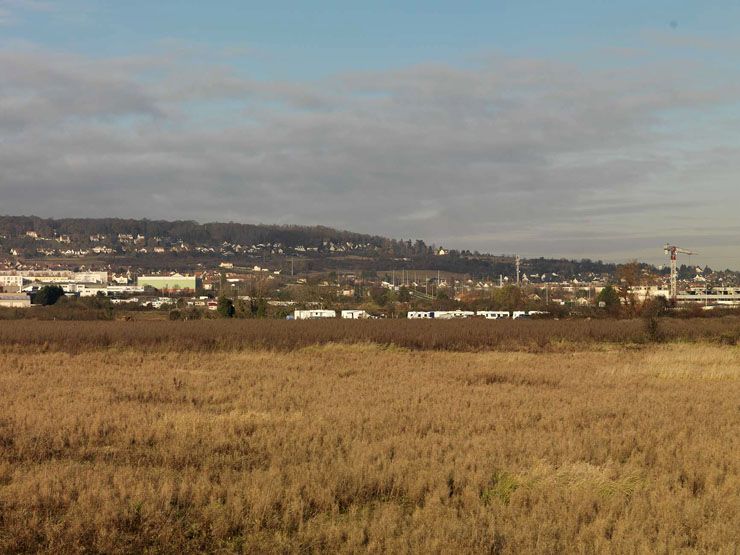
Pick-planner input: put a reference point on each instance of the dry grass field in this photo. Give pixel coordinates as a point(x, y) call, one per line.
point(281, 335)
point(365, 447)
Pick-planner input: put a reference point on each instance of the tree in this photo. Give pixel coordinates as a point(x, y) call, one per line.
point(508, 298)
point(225, 307)
point(404, 295)
point(608, 299)
point(629, 277)
point(260, 308)
point(243, 309)
point(379, 295)
point(48, 295)
point(358, 293)
point(651, 310)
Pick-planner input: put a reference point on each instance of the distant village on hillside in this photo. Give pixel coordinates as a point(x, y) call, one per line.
point(276, 270)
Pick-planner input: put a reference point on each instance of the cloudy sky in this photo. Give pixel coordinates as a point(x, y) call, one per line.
point(579, 129)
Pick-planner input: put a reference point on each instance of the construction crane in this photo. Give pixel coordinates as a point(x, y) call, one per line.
point(673, 251)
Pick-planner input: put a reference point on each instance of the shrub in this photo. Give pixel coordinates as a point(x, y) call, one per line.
point(226, 307)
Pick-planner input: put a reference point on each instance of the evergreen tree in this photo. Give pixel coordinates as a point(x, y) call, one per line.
point(48, 295)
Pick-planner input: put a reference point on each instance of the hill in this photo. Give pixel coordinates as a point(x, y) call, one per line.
point(184, 245)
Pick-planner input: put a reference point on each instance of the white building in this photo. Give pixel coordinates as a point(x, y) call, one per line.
point(644, 292)
point(354, 314)
point(91, 277)
point(314, 314)
point(11, 282)
point(453, 314)
point(90, 290)
point(494, 314)
point(419, 315)
point(15, 300)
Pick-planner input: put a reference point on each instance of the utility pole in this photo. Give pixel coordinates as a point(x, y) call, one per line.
point(518, 267)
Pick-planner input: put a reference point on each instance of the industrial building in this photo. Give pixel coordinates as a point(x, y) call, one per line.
point(171, 283)
point(728, 296)
point(14, 300)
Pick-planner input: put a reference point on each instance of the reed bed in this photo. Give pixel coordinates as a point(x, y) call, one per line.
point(362, 448)
point(460, 335)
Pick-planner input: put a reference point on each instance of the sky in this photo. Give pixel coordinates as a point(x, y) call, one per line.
point(553, 128)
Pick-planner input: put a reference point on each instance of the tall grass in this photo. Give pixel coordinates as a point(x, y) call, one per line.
point(361, 448)
point(463, 335)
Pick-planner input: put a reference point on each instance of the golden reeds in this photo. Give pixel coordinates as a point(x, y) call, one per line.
point(349, 448)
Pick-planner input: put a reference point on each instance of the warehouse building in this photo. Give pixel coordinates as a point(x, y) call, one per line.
point(14, 300)
point(172, 283)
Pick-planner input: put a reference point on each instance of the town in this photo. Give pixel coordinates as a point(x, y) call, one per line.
point(314, 279)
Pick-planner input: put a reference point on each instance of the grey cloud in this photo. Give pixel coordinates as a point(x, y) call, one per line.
point(38, 88)
point(508, 155)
